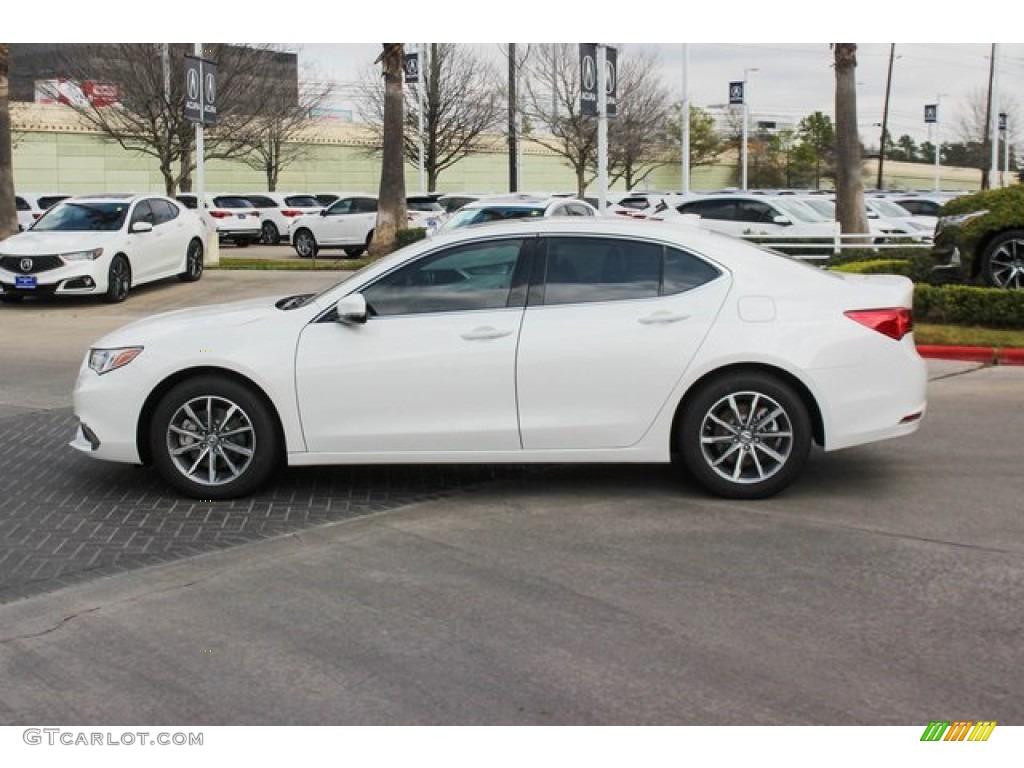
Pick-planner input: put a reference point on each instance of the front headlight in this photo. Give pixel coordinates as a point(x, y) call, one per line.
point(106, 360)
point(960, 219)
point(92, 255)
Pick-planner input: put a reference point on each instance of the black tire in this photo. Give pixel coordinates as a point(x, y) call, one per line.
point(119, 280)
point(219, 460)
point(305, 244)
point(1002, 263)
point(745, 435)
point(269, 234)
point(11, 298)
point(242, 242)
point(194, 262)
point(354, 252)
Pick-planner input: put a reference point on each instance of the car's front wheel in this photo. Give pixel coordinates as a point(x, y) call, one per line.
point(213, 438)
point(193, 262)
point(1002, 264)
point(745, 435)
point(119, 280)
point(305, 244)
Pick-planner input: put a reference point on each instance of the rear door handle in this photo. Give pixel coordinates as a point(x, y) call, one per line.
point(661, 318)
point(486, 332)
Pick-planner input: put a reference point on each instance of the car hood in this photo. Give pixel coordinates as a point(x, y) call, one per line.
point(46, 243)
point(203, 322)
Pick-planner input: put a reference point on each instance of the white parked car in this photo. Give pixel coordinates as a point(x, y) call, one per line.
point(517, 206)
point(348, 223)
point(230, 215)
point(582, 339)
point(31, 206)
point(758, 216)
point(103, 245)
point(279, 210)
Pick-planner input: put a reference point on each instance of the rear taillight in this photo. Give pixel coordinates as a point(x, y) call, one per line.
point(895, 322)
point(291, 213)
point(219, 214)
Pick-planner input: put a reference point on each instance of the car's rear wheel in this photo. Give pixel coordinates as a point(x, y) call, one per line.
point(745, 435)
point(354, 252)
point(119, 280)
point(1002, 264)
point(193, 262)
point(305, 244)
point(269, 234)
point(214, 438)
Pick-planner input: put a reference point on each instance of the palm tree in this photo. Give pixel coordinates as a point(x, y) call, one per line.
point(8, 214)
point(850, 211)
point(391, 200)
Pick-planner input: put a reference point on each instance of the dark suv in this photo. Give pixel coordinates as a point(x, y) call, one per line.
point(980, 238)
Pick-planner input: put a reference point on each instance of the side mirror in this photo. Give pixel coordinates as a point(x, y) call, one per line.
point(351, 309)
point(142, 226)
point(323, 211)
point(782, 220)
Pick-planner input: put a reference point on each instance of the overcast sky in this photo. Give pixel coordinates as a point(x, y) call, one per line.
point(791, 81)
point(780, 40)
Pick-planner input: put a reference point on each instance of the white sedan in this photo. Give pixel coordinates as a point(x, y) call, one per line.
point(544, 340)
point(103, 245)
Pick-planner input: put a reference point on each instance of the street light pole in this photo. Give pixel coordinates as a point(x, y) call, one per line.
point(885, 115)
point(937, 143)
point(746, 121)
point(995, 112)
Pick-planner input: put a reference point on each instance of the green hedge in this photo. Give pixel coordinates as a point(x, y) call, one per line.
point(877, 267)
point(967, 305)
point(406, 237)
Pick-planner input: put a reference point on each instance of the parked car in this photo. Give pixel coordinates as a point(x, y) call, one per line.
point(882, 227)
point(517, 206)
point(348, 223)
point(536, 340)
point(231, 216)
point(279, 210)
point(32, 205)
point(103, 245)
point(980, 238)
point(425, 211)
point(451, 202)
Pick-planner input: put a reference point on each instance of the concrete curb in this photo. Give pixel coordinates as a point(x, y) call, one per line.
point(987, 355)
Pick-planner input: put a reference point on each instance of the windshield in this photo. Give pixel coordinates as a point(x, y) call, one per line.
point(423, 204)
point(232, 202)
point(798, 210)
point(465, 217)
point(822, 205)
point(83, 217)
point(887, 208)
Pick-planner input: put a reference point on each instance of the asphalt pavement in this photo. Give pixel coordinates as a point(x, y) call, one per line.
point(882, 588)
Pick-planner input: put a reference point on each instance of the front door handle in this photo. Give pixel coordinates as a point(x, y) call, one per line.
point(485, 332)
point(661, 317)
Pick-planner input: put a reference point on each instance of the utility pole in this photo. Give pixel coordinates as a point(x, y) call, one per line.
point(987, 137)
point(421, 82)
point(513, 168)
point(200, 143)
point(995, 111)
point(885, 115)
point(746, 121)
point(686, 120)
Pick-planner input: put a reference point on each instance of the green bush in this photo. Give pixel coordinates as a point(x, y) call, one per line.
point(876, 267)
point(406, 237)
point(967, 305)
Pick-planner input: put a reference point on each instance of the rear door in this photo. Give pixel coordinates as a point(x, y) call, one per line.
point(607, 334)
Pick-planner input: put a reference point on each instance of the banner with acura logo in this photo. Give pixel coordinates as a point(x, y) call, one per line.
point(588, 78)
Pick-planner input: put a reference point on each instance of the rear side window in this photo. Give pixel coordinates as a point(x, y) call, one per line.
point(582, 270)
point(51, 200)
point(229, 201)
point(721, 210)
point(302, 201)
point(364, 205)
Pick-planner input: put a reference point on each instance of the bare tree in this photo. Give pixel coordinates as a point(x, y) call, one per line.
point(975, 130)
point(639, 136)
point(150, 116)
point(273, 143)
point(850, 210)
point(552, 105)
point(8, 212)
point(461, 103)
point(391, 210)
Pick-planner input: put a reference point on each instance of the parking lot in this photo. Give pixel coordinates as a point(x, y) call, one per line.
point(881, 589)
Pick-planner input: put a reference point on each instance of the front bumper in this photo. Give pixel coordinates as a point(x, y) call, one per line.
point(80, 278)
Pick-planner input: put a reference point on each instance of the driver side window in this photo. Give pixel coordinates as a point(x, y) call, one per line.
point(340, 207)
point(468, 277)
